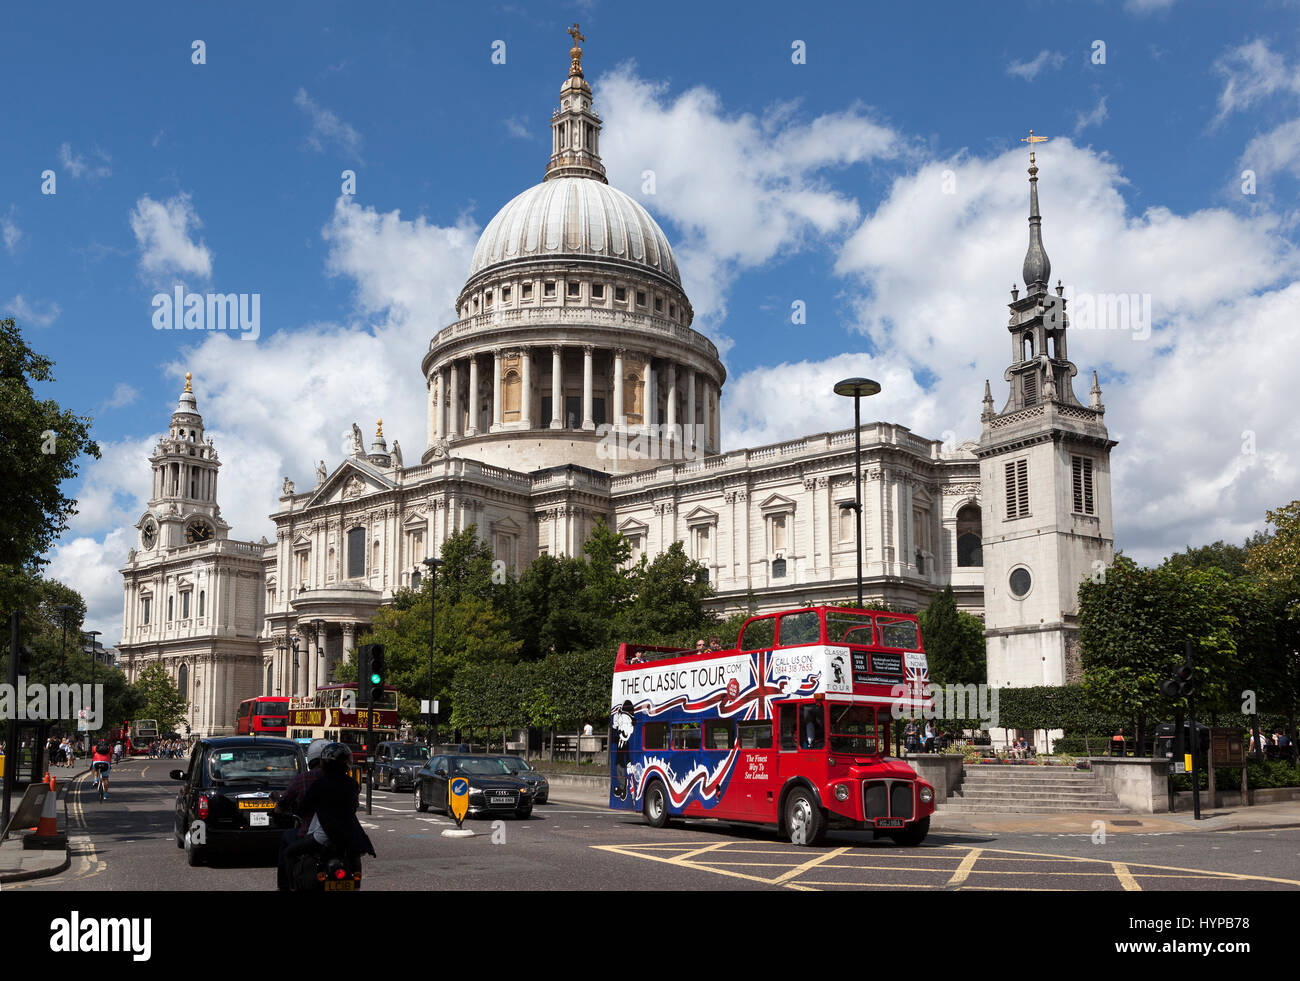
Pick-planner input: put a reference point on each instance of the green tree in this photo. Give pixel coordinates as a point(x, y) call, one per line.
point(467, 569)
point(954, 642)
point(669, 599)
point(159, 698)
point(40, 444)
point(1276, 560)
point(1232, 559)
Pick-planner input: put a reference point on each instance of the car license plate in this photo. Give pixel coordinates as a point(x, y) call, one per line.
point(256, 805)
point(259, 819)
point(347, 885)
point(502, 800)
point(889, 822)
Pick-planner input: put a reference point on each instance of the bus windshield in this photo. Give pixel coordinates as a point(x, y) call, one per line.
point(853, 730)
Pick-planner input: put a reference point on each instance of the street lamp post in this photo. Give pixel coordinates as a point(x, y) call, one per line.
point(279, 660)
point(433, 566)
point(295, 664)
point(320, 652)
point(92, 634)
point(856, 388)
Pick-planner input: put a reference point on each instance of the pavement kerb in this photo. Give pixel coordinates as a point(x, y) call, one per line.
point(62, 783)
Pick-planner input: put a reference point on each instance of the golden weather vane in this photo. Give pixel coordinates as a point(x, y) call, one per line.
point(1031, 139)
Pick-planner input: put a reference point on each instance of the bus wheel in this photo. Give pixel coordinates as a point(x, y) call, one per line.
point(655, 808)
point(804, 822)
point(914, 835)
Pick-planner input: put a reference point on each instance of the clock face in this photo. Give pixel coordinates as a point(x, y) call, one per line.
point(148, 535)
point(197, 531)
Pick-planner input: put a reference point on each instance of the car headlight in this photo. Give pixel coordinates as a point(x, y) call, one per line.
point(403, 769)
point(841, 791)
point(927, 795)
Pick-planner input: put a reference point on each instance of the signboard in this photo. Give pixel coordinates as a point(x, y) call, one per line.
point(458, 798)
point(333, 718)
point(877, 668)
point(1227, 747)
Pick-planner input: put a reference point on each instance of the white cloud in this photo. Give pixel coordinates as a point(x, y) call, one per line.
point(326, 127)
point(10, 231)
point(1143, 7)
point(1095, 117)
point(76, 165)
point(742, 190)
point(40, 314)
point(162, 232)
point(1029, 70)
point(518, 129)
point(1253, 72)
point(123, 395)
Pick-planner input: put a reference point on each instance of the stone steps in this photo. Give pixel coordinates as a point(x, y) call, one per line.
point(1024, 790)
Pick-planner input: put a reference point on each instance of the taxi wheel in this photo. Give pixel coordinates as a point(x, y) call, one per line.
point(804, 822)
point(655, 809)
point(913, 836)
point(193, 856)
point(420, 805)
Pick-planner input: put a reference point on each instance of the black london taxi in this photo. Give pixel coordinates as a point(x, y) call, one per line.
point(397, 763)
point(228, 793)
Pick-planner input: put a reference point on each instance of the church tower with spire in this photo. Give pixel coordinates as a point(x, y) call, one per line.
point(1045, 478)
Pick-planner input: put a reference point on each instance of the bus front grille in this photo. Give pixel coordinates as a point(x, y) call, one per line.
point(887, 798)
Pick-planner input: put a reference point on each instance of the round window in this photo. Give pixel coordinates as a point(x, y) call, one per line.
point(1021, 580)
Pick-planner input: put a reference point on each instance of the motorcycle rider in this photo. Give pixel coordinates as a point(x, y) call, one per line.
point(291, 803)
point(332, 800)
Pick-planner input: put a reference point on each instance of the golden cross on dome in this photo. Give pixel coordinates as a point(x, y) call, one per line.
point(187, 382)
point(1031, 139)
point(575, 53)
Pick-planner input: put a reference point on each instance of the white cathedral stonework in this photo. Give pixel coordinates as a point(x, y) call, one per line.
point(573, 320)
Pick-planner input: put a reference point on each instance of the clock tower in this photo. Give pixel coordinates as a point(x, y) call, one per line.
point(193, 595)
point(183, 506)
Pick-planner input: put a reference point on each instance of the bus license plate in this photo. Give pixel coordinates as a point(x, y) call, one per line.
point(889, 822)
point(347, 885)
point(259, 819)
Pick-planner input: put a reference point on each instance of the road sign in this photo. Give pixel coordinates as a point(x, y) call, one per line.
point(458, 798)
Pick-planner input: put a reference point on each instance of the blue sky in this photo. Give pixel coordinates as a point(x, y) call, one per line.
point(821, 182)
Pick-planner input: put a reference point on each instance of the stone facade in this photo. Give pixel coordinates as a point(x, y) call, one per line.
point(573, 389)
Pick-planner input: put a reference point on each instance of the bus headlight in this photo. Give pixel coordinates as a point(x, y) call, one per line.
point(927, 795)
point(841, 791)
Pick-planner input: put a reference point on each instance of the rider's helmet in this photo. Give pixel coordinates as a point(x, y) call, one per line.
point(336, 758)
point(315, 750)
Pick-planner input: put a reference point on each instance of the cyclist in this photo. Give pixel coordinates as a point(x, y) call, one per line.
point(100, 759)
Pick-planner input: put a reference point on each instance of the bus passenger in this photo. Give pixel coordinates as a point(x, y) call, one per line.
point(699, 646)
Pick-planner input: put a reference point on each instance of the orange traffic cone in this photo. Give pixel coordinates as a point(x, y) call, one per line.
point(46, 779)
point(47, 833)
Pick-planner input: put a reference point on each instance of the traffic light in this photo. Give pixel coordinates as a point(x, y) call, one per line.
point(24, 660)
point(1181, 685)
point(378, 676)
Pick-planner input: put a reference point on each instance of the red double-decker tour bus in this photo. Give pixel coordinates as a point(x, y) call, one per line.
point(788, 728)
point(265, 715)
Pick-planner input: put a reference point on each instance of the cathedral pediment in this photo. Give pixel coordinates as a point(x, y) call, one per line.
point(702, 516)
point(633, 527)
point(353, 479)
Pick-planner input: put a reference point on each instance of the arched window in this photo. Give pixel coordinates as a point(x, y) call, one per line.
point(269, 673)
point(969, 536)
point(356, 553)
point(183, 680)
point(200, 602)
point(169, 609)
point(415, 580)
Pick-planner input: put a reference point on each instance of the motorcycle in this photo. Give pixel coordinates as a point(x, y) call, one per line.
point(324, 868)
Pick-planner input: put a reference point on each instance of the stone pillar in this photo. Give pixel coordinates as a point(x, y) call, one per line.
point(587, 421)
point(717, 422)
point(526, 381)
point(440, 416)
point(672, 402)
point(708, 419)
point(431, 427)
point(471, 429)
point(557, 393)
point(651, 414)
point(349, 640)
point(619, 416)
point(496, 391)
point(690, 440)
point(453, 408)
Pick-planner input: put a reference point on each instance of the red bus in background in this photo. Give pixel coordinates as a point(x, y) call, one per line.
point(266, 715)
point(788, 728)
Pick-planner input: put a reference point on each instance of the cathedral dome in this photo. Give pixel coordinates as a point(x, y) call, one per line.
point(575, 217)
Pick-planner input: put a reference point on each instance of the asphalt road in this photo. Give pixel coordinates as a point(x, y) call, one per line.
point(127, 843)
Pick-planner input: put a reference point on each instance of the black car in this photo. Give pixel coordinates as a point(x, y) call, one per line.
point(492, 787)
point(397, 763)
point(228, 792)
point(526, 772)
